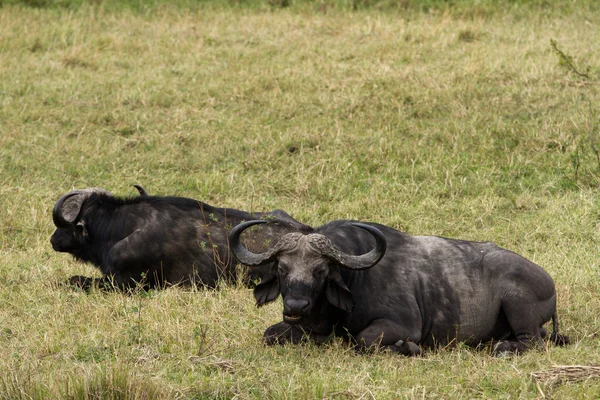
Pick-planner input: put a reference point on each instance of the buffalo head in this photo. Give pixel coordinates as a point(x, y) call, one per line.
point(308, 266)
point(71, 230)
point(71, 226)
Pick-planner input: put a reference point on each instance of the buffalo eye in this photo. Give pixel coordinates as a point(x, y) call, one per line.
point(282, 268)
point(320, 273)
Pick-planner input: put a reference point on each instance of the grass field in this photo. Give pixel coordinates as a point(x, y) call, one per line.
point(462, 122)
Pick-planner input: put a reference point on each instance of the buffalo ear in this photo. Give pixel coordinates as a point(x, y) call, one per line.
point(267, 291)
point(81, 231)
point(337, 292)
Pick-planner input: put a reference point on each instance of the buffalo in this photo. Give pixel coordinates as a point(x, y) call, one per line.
point(154, 240)
point(381, 288)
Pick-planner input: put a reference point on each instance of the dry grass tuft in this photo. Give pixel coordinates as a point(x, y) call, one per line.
point(567, 373)
point(550, 379)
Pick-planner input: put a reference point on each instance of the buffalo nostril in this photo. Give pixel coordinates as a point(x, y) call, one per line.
point(296, 305)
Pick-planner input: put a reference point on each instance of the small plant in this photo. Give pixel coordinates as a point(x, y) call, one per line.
point(565, 60)
point(199, 335)
point(279, 3)
point(467, 35)
point(134, 329)
point(586, 135)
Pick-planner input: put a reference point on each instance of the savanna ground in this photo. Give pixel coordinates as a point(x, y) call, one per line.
point(460, 121)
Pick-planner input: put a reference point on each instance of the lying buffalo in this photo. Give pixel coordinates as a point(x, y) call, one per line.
point(154, 240)
point(421, 291)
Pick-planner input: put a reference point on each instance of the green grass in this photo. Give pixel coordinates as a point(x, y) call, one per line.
point(455, 120)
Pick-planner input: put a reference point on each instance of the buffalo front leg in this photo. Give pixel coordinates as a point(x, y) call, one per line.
point(386, 335)
point(283, 333)
point(87, 283)
point(82, 282)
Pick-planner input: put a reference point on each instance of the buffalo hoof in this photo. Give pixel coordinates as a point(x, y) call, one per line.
point(81, 282)
point(559, 340)
point(506, 348)
point(408, 349)
point(283, 333)
point(87, 284)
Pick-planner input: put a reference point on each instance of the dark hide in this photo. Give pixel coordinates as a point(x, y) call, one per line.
point(425, 291)
point(156, 241)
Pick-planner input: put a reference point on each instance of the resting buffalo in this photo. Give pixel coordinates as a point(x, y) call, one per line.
point(153, 240)
point(422, 291)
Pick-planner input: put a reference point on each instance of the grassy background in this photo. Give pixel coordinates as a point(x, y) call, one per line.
point(446, 118)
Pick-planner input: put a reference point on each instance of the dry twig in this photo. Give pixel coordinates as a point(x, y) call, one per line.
point(214, 362)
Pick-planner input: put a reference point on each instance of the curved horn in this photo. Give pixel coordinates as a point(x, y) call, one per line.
point(241, 253)
point(57, 214)
point(141, 190)
point(357, 263)
point(68, 206)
